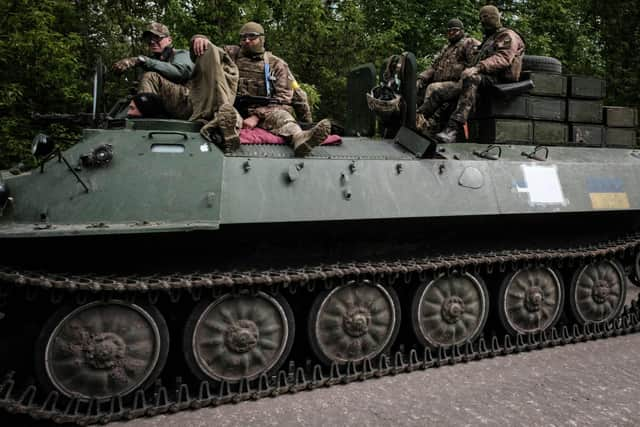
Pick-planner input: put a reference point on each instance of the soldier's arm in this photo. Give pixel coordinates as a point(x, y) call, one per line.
point(178, 70)
point(470, 51)
point(426, 76)
point(507, 48)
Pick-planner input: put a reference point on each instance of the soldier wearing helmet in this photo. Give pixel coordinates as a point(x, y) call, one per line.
point(260, 74)
point(499, 59)
point(443, 76)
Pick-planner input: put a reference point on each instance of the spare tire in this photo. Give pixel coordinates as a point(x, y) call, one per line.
point(545, 64)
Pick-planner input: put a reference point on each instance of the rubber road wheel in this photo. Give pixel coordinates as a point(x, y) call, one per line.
point(101, 350)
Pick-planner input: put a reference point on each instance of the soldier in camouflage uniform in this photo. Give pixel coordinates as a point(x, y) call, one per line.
point(499, 60)
point(441, 81)
point(166, 65)
point(251, 60)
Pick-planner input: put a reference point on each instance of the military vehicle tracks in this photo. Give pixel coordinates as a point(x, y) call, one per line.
point(18, 395)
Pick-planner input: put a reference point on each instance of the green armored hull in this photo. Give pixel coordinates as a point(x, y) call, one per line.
point(144, 252)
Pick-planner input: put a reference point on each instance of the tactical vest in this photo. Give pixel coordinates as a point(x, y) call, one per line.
point(252, 81)
point(252, 78)
point(451, 62)
point(488, 46)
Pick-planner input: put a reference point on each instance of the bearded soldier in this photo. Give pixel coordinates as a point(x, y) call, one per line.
point(499, 60)
point(262, 74)
point(443, 77)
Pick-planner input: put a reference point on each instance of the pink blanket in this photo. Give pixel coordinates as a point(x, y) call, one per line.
point(261, 136)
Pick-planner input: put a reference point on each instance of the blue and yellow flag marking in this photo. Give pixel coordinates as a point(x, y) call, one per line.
point(607, 193)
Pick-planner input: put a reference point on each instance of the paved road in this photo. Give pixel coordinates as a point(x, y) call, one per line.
point(586, 384)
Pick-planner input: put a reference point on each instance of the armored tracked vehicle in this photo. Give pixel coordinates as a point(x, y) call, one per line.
point(144, 253)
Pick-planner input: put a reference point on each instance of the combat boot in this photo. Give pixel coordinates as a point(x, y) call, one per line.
point(304, 140)
point(227, 122)
point(448, 135)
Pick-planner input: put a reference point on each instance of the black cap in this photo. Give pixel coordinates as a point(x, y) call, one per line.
point(455, 23)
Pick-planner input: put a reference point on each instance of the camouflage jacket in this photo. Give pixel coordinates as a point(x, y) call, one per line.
point(177, 67)
point(252, 79)
point(501, 54)
point(452, 59)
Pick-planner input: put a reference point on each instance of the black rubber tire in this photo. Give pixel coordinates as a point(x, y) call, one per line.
point(53, 320)
point(544, 64)
point(415, 322)
point(503, 293)
point(313, 313)
point(573, 305)
point(190, 329)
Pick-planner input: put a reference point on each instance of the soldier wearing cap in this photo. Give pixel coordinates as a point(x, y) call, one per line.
point(165, 65)
point(443, 75)
point(260, 74)
point(499, 60)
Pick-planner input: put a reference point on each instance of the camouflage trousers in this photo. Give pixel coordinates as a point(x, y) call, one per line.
point(175, 97)
point(214, 82)
point(280, 122)
point(465, 91)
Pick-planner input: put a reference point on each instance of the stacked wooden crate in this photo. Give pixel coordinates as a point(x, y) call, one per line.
point(621, 126)
point(559, 110)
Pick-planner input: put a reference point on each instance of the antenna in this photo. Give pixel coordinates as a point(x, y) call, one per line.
point(98, 77)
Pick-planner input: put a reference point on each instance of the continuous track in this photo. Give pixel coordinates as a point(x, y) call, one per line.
point(299, 375)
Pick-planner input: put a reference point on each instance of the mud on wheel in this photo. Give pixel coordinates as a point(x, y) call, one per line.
point(238, 336)
point(101, 349)
point(353, 322)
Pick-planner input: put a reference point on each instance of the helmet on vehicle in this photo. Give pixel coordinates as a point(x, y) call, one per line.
point(383, 100)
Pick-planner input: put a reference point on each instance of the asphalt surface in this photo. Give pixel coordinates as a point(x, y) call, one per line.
point(587, 384)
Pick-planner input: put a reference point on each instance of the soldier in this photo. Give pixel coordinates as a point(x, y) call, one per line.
point(499, 60)
point(443, 77)
point(165, 63)
point(262, 74)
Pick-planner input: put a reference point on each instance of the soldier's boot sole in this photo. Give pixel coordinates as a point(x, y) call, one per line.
point(227, 120)
point(304, 142)
point(447, 136)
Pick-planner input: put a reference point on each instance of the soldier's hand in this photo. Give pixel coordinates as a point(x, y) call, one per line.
point(124, 64)
point(200, 45)
point(250, 122)
point(468, 72)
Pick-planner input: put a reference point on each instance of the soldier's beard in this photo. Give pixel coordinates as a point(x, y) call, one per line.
point(253, 49)
point(454, 39)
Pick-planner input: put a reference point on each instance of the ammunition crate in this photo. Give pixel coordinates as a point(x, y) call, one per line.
point(621, 117)
point(547, 84)
point(544, 108)
point(490, 107)
point(550, 133)
point(523, 107)
point(505, 131)
point(587, 87)
point(589, 135)
point(620, 137)
point(582, 111)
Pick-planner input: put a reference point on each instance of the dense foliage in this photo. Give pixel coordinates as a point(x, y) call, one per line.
point(48, 48)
